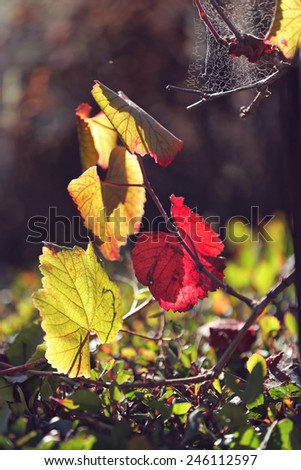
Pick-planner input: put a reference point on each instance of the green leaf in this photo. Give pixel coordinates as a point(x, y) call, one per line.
point(87, 401)
point(77, 299)
point(6, 396)
point(25, 344)
point(254, 386)
point(257, 359)
point(6, 391)
point(291, 323)
point(245, 438)
point(232, 384)
point(116, 392)
point(232, 415)
point(160, 407)
point(140, 132)
point(180, 408)
point(80, 442)
point(269, 326)
point(285, 436)
point(285, 391)
point(217, 385)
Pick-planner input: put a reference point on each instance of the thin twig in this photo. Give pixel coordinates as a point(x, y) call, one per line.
point(151, 338)
point(138, 309)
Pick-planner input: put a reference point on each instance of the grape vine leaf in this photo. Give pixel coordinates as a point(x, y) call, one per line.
point(111, 213)
point(97, 137)
point(285, 32)
point(140, 132)
point(161, 262)
point(77, 299)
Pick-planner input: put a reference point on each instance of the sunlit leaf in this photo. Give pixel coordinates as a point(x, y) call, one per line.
point(285, 436)
point(77, 299)
point(254, 386)
point(162, 263)
point(285, 31)
point(97, 137)
point(269, 326)
point(140, 132)
point(257, 358)
point(285, 391)
point(180, 408)
point(110, 212)
point(245, 438)
point(291, 323)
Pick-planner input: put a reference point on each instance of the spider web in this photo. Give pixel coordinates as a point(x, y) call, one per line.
point(213, 70)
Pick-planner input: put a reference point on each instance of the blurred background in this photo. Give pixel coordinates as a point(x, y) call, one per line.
point(52, 50)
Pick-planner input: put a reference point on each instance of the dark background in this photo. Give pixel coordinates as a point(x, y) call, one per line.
point(52, 50)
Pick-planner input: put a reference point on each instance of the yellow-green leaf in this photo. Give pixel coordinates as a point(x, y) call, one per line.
point(285, 32)
point(77, 299)
point(110, 212)
point(140, 132)
point(291, 323)
point(257, 359)
point(97, 137)
point(269, 326)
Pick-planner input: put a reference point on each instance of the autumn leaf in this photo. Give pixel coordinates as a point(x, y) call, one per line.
point(285, 32)
point(162, 263)
point(77, 299)
point(97, 137)
point(109, 211)
point(140, 132)
point(220, 334)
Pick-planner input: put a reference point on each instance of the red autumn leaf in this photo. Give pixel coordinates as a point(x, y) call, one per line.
point(163, 264)
point(220, 333)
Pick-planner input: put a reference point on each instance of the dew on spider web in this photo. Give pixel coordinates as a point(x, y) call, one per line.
point(213, 70)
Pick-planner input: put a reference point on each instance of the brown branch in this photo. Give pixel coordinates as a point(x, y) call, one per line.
point(9, 370)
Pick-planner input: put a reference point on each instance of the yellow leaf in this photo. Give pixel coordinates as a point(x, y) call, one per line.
point(254, 360)
point(77, 299)
point(97, 137)
point(285, 32)
point(140, 132)
point(111, 213)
